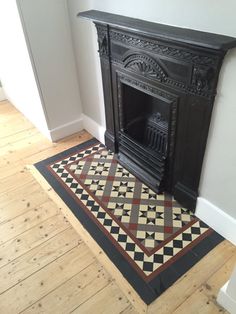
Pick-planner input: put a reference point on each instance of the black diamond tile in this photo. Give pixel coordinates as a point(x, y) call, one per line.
point(84, 197)
point(138, 256)
point(115, 230)
point(187, 237)
point(122, 238)
point(89, 203)
point(107, 222)
point(79, 191)
point(177, 244)
point(168, 251)
point(69, 180)
point(72, 159)
point(95, 208)
point(203, 225)
point(73, 185)
point(147, 266)
point(130, 247)
point(158, 258)
point(195, 230)
point(55, 166)
point(101, 215)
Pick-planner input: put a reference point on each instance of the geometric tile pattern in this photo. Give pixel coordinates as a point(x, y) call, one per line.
point(150, 230)
point(149, 217)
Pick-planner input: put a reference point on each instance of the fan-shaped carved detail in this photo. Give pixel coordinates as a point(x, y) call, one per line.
point(145, 65)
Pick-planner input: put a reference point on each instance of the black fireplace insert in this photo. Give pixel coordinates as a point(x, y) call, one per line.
point(159, 85)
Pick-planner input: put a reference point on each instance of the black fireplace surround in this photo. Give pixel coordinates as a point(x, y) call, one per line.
point(159, 87)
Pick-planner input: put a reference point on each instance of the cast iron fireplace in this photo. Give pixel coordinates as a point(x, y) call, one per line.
point(159, 87)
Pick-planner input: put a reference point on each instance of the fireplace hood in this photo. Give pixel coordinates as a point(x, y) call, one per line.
point(159, 86)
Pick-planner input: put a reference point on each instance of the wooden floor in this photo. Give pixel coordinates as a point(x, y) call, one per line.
point(44, 265)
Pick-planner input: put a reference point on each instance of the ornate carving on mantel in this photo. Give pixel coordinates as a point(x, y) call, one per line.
point(202, 77)
point(160, 48)
point(102, 40)
point(145, 65)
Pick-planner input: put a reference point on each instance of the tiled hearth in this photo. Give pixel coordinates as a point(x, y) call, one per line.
point(150, 238)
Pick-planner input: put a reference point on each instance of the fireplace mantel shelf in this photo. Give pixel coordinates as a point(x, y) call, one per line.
point(163, 32)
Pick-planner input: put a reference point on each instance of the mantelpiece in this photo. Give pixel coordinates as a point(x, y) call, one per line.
point(159, 86)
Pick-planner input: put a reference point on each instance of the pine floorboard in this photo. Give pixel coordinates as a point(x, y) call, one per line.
point(45, 267)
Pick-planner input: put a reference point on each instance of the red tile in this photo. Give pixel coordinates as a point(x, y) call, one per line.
point(133, 226)
point(110, 178)
point(168, 229)
point(168, 203)
point(105, 198)
point(136, 201)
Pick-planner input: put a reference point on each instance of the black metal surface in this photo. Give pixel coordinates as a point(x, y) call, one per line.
point(147, 69)
point(182, 35)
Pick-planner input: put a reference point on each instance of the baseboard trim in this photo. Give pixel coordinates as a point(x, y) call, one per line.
point(66, 129)
point(216, 218)
point(2, 94)
point(225, 300)
point(94, 128)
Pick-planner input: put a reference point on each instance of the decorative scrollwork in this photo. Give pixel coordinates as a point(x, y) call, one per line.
point(154, 46)
point(201, 79)
point(145, 65)
point(102, 40)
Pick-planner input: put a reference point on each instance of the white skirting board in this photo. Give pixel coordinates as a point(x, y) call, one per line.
point(2, 94)
point(93, 128)
point(225, 300)
point(66, 129)
point(216, 218)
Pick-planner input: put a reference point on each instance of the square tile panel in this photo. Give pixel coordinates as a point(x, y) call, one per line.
point(142, 232)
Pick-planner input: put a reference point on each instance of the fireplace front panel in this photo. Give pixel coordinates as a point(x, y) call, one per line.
point(143, 79)
point(159, 87)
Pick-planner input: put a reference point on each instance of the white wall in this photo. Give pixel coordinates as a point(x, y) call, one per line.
point(88, 63)
point(219, 171)
point(16, 71)
point(48, 31)
point(39, 69)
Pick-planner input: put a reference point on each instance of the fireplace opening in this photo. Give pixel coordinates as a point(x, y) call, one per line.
point(146, 120)
point(147, 132)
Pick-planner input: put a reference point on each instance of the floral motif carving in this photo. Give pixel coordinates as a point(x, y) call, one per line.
point(145, 65)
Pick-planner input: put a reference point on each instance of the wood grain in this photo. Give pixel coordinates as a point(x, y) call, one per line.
point(40, 273)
